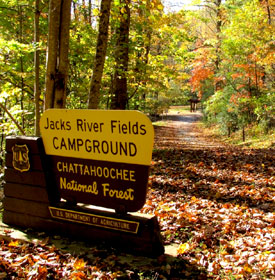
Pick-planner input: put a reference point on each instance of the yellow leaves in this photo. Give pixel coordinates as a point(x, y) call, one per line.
point(266, 252)
point(3, 96)
point(160, 6)
point(156, 4)
point(184, 248)
point(247, 268)
point(79, 264)
point(14, 243)
point(96, 12)
point(123, 10)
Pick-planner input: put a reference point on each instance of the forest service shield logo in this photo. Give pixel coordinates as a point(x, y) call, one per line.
point(20, 160)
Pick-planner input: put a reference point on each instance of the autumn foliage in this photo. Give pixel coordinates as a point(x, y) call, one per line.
point(202, 70)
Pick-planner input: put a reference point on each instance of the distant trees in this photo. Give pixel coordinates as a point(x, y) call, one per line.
point(17, 65)
point(134, 55)
point(242, 90)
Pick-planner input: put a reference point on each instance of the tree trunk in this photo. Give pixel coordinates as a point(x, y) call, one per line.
point(36, 66)
point(120, 97)
point(57, 53)
point(143, 54)
point(101, 48)
point(76, 17)
point(90, 12)
point(243, 133)
point(268, 12)
point(147, 44)
point(22, 81)
point(218, 3)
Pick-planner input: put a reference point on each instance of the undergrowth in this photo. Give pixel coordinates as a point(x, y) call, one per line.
point(254, 138)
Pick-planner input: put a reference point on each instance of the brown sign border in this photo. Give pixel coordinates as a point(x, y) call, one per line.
point(94, 220)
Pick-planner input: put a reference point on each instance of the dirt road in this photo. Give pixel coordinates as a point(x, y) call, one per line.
point(183, 130)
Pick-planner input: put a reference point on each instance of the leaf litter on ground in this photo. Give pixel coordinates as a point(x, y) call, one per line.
point(215, 201)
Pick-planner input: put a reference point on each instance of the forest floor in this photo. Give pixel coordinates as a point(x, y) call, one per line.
point(215, 204)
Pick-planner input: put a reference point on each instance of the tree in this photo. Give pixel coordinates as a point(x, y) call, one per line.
point(211, 19)
point(101, 48)
point(57, 53)
point(37, 66)
point(151, 58)
point(120, 97)
point(16, 64)
point(202, 71)
point(246, 68)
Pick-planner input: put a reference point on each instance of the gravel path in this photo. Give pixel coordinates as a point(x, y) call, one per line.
point(184, 131)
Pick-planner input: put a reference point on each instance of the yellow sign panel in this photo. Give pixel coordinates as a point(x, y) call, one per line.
point(107, 135)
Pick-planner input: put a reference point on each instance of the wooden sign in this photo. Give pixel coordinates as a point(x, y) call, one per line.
point(99, 157)
point(113, 135)
point(94, 220)
point(30, 198)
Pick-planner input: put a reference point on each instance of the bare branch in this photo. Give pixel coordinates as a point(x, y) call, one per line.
point(12, 118)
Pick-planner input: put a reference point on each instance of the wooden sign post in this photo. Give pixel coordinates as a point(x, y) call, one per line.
point(89, 159)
